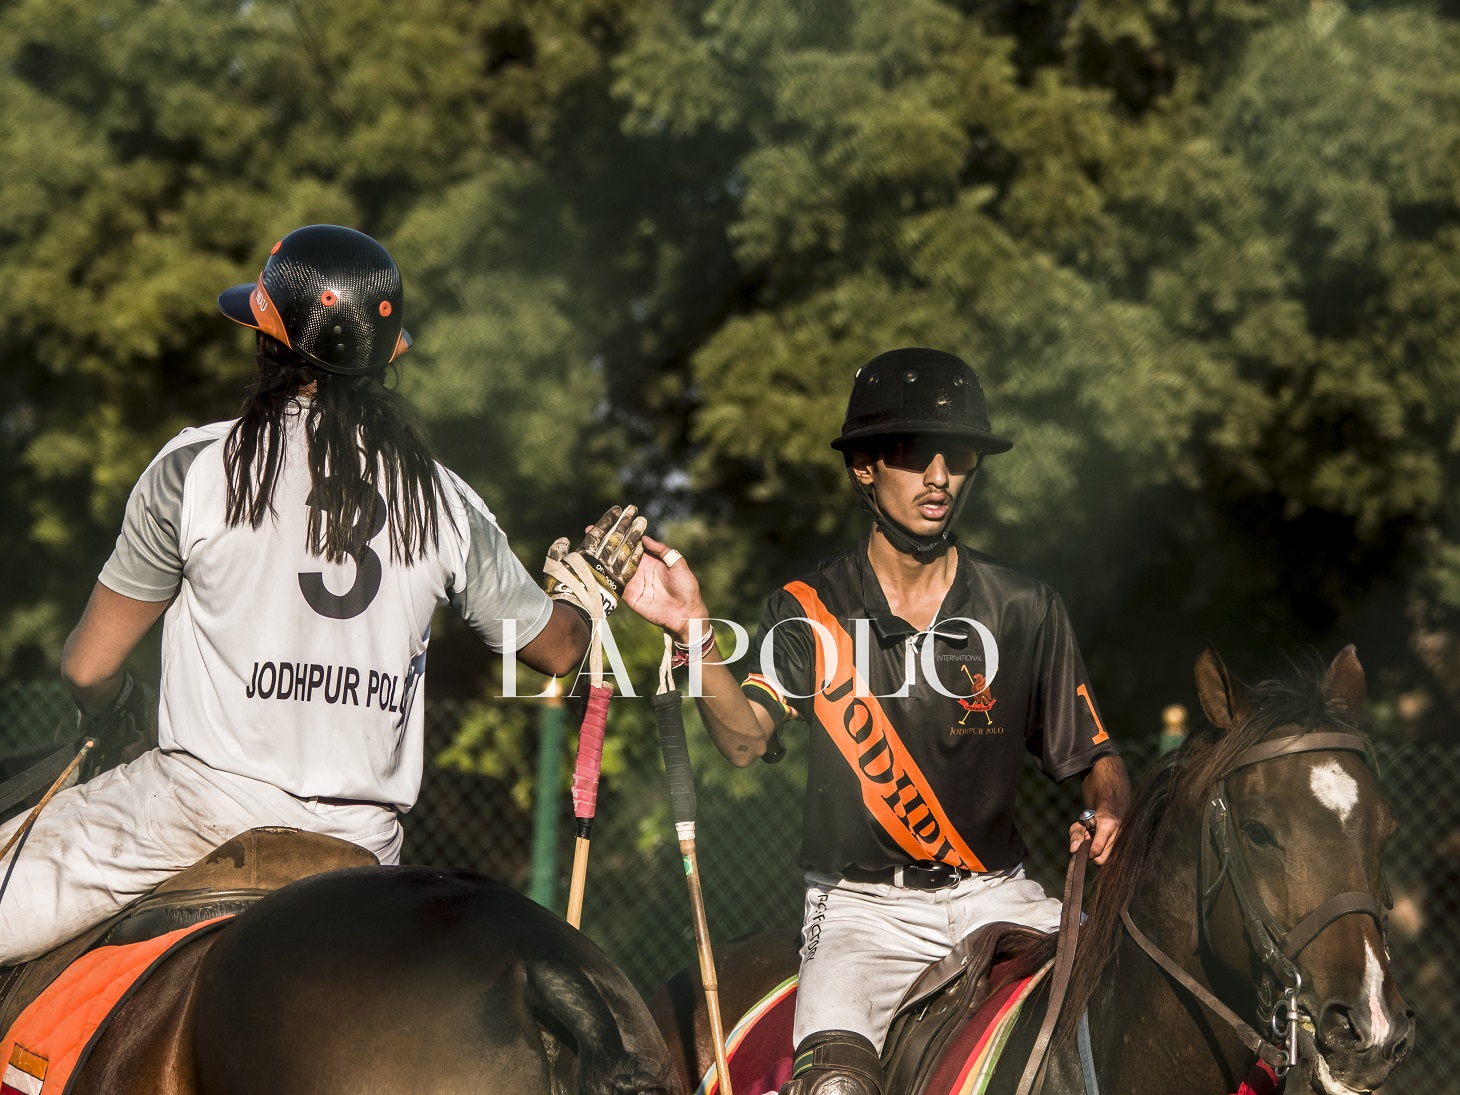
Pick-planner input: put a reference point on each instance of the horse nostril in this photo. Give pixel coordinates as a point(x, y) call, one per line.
point(1398, 1044)
point(1338, 1028)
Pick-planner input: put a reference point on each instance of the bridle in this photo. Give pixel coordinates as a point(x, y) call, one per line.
point(1222, 861)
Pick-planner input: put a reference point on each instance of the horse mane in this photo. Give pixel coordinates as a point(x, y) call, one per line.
point(1177, 788)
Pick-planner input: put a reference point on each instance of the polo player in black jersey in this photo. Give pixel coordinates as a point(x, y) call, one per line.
point(926, 670)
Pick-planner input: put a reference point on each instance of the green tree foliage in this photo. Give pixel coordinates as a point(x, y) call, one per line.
point(1202, 253)
point(152, 152)
point(1202, 256)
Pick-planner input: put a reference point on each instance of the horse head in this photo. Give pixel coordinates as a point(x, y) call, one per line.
point(1291, 891)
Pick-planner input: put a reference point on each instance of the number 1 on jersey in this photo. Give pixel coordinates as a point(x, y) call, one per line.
point(1084, 694)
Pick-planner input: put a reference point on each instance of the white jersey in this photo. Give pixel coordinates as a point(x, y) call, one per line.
point(282, 667)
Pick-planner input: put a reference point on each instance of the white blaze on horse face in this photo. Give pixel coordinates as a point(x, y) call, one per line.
point(1335, 788)
point(1373, 986)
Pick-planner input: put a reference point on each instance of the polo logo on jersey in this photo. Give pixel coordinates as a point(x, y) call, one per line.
point(979, 701)
point(894, 789)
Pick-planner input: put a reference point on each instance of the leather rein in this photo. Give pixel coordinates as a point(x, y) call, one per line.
point(1064, 960)
point(1222, 861)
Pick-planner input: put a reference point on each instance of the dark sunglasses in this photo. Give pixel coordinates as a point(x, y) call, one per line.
point(914, 453)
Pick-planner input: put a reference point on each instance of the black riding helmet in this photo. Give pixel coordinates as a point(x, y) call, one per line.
point(332, 295)
point(916, 391)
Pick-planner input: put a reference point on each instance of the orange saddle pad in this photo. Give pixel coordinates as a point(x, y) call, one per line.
point(53, 1036)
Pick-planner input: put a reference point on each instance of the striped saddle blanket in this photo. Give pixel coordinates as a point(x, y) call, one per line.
point(759, 1048)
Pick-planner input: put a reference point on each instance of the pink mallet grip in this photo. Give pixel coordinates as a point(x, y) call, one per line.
point(590, 751)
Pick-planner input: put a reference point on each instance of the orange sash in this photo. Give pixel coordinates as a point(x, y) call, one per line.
point(894, 789)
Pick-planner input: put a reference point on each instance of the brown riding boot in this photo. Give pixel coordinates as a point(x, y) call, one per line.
point(835, 1062)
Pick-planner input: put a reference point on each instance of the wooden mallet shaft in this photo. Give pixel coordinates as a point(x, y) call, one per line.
point(675, 747)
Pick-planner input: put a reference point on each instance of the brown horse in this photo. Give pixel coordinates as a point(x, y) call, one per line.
point(1251, 864)
point(384, 979)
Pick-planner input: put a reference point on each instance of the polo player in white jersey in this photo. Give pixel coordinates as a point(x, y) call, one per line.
point(298, 553)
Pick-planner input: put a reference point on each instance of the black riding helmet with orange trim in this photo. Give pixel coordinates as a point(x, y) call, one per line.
point(332, 295)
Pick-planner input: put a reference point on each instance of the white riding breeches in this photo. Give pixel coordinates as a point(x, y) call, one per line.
point(864, 943)
point(104, 843)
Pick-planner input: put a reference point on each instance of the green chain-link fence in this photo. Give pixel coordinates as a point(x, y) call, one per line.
point(749, 831)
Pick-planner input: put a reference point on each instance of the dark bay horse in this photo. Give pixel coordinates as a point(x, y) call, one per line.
point(392, 980)
point(1251, 860)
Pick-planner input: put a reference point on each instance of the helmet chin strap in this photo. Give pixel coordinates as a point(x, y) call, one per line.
point(904, 539)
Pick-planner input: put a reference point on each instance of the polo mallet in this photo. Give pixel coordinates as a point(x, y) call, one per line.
point(575, 572)
point(675, 747)
point(20, 834)
point(585, 781)
point(583, 575)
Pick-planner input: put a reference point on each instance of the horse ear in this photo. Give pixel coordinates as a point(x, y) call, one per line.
point(1343, 684)
point(1223, 697)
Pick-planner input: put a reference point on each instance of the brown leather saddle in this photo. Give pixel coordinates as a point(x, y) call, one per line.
point(949, 993)
point(226, 881)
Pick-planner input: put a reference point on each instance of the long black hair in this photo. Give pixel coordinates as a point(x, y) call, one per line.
point(365, 448)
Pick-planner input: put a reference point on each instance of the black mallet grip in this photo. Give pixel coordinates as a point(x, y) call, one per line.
point(675, 748)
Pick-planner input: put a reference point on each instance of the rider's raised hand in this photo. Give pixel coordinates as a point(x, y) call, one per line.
point(664, 590)
point(612, 546)
point(594, 576)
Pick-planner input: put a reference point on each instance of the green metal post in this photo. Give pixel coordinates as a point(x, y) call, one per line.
point(544, 885)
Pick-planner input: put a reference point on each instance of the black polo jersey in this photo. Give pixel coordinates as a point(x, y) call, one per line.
point(899, 770)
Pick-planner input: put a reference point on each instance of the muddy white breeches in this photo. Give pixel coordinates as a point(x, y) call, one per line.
point(102, 844)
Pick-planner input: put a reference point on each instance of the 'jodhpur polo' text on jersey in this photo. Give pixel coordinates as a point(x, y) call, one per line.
point(900, 771)
point(283, 667)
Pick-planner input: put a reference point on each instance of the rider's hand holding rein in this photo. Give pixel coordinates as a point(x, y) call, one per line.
point(1106, 790)
point(665, 592)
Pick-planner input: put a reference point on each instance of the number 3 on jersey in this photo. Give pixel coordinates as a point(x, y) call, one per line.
point(355, 600)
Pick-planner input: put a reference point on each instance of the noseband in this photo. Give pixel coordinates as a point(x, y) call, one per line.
point(1221, 861)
